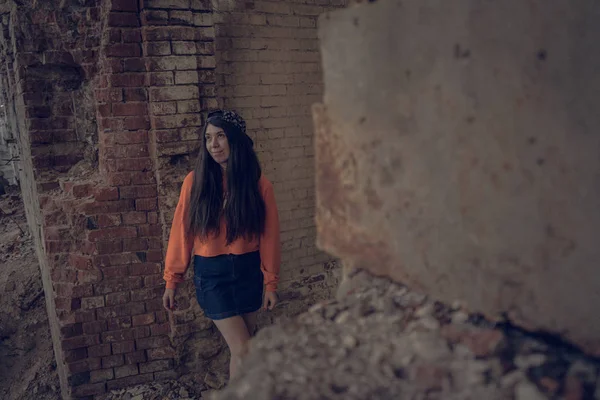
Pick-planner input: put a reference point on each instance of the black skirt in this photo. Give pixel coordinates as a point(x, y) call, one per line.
point(228, 285)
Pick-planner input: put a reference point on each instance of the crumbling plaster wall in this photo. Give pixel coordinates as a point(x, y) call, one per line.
point(477, 179)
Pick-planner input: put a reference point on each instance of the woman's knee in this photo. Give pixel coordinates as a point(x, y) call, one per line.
point(236, 335)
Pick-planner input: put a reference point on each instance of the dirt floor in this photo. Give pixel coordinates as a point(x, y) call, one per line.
point(381, 340)
point(27, 367)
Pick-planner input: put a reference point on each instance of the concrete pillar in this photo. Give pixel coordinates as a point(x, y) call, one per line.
point(458, 151)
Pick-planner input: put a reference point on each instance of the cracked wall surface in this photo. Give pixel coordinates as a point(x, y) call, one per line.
point(463, 158)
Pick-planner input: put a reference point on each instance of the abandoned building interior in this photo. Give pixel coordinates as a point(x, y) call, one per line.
point(436, 167)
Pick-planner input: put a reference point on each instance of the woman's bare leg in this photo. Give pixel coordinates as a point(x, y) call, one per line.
point(235, 332)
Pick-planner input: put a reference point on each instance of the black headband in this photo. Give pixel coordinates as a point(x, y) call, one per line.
point(230, 117)
point(233, 118)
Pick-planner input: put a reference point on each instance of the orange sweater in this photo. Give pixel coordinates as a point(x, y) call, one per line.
point(180, 245)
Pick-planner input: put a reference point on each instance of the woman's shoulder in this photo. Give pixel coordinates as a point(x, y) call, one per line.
point(189, 179)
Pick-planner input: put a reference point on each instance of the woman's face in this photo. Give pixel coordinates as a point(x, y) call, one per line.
point(217, 144)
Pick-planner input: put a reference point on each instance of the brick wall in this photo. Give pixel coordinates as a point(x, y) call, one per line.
point(109, 116)
point(268, 69)
point(9, 151)
point(178, 47)
point(48, 82)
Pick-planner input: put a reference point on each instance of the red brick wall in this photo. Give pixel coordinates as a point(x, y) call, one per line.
point(49, 80)
point(178, 45)
point(110, 125)
point(268, 67)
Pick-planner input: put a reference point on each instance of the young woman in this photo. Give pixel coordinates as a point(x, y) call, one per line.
point(227, 215)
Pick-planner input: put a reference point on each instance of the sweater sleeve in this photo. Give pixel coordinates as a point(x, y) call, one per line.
point(270, 246)
point(180, 244)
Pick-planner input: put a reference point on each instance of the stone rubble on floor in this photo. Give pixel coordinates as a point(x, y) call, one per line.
point(380, 340)
point(165, 390)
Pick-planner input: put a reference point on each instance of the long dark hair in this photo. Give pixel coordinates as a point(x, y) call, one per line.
point(245, 208)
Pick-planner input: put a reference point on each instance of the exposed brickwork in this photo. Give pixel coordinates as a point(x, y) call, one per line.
point(178, 43)
point(88, 104)
point(269, 69)
point(48, 84)
point(110, 120)
point(113, 209)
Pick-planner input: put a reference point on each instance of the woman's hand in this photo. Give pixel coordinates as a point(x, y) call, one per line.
point(270, 300)
point(169, 299)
